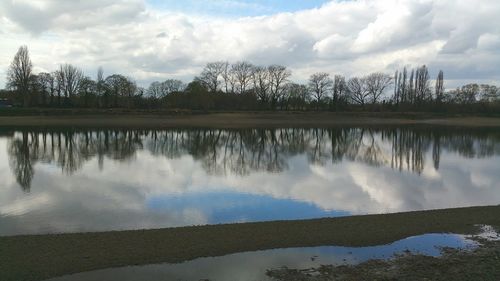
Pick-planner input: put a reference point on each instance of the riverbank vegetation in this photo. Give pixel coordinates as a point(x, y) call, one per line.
point(245, 86)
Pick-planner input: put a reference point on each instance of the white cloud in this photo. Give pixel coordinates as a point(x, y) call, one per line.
point(349, 37)
point(42, 15)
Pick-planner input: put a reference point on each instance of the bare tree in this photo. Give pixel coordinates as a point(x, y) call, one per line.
point(403, 85)
point(59, 85)
point(155, 90)
point(320, 84)
point(242, 72)
point(19, 73)
point(173, 85)
point(468, 94)
point(339, 90)
point(410, 92)
point(87, 89)
point(375, 84)
point(400, 87)
point(357, 91)
point(228, 78)
point(489, 93)
point(45, 85)
point(159, 90)
point(440, 87)
point(130, 89)
point(100, 90)
point(397, 89)
point(298, 95)
point(72, 77)
point(278, 76)
point(422, 85)
point(211, 74)
point(100, 81)
point(100, 74)
point(260, 78)
point(117, 87)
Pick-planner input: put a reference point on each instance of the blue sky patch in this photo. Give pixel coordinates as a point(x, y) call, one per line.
point(227, 207)
point(235, 8)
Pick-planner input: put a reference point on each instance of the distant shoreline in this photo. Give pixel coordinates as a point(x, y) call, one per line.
point(36, 257)
point(173, 119)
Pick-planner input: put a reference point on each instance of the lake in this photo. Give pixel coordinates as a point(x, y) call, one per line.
point(60, 181)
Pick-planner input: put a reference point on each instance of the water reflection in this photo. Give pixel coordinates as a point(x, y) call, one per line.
point(242, 152)
point(95, 180)
point(252, 266)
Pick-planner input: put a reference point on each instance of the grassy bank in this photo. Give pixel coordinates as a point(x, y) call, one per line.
point(159, 120)
point(42, 256)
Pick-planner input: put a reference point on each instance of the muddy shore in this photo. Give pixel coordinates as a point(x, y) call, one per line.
point(37, 257)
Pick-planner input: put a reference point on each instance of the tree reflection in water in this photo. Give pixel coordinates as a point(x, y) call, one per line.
point(245, 151)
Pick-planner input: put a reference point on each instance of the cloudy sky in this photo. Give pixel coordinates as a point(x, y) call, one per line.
point(155, 40)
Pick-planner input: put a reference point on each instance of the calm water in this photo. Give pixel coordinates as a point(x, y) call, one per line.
point(252, 266)
point(97, 180)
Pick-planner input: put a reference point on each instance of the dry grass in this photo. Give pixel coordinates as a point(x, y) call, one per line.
point(242, 120)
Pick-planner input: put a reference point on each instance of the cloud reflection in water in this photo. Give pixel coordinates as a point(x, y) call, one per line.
point(69, 181)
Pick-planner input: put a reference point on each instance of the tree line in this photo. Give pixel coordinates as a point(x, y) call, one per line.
point(244, 86)
point(242, 152)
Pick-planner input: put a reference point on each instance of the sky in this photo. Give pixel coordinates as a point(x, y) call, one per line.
point(153, 40)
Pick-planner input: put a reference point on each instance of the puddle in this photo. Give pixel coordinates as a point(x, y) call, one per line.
point(252, 266)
